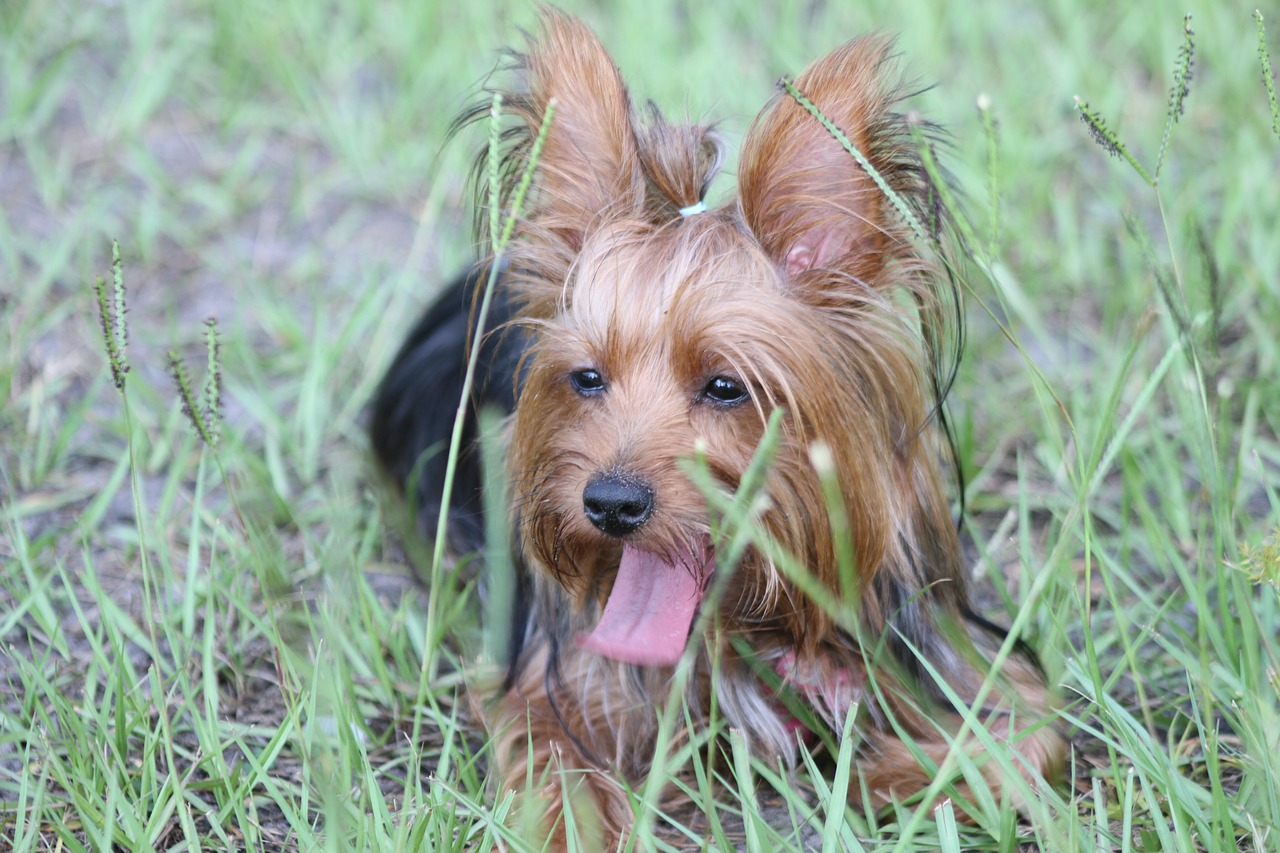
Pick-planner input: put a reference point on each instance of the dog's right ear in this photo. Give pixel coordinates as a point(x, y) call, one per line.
point(589, 164)
point(808, 201)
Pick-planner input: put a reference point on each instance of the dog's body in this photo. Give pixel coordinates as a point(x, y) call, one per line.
point(648, 330)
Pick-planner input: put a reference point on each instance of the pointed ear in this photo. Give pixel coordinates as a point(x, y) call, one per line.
point(589, 162)
point(806, 198)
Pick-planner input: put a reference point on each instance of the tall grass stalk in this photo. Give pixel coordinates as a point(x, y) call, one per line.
point(479, 330)
point(115, 337)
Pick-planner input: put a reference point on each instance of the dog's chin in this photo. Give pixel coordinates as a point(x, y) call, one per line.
point(651, 608)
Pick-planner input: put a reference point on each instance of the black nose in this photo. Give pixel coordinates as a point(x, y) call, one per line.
point(617, 504)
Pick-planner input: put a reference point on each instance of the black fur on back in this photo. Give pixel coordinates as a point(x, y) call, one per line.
point(417, 401)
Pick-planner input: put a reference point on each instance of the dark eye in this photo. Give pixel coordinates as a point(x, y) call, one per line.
point(587, 382)
point(724, 391)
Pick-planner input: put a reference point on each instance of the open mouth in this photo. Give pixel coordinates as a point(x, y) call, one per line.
point(652, 606)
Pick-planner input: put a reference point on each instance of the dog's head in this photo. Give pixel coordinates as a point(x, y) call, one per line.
point(664, 331)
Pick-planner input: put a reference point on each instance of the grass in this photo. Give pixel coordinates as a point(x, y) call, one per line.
point(222, 646)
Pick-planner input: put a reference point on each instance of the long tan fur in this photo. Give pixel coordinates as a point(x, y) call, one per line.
point(808, 289)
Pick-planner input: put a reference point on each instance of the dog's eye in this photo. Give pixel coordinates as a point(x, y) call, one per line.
point(587, 382)
point(724, 391)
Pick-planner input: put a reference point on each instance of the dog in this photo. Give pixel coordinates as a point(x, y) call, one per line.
point(641, 335)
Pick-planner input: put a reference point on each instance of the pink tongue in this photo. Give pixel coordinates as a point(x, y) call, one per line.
point(647, 617)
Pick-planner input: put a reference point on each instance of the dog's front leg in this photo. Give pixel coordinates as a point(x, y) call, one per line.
point(546, 749)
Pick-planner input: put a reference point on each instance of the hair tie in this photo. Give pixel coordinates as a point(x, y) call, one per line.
point(694, 209)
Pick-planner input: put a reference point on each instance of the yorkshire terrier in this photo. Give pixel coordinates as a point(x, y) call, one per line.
point(640, 336)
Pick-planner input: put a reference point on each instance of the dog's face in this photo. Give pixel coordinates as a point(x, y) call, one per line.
point(670, 341)
point(658, 336)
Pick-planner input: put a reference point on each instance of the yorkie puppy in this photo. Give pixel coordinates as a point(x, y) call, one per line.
point(642, 335)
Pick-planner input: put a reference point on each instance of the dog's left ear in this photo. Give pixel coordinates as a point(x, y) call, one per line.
point(806, 198)
point(590, 165)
